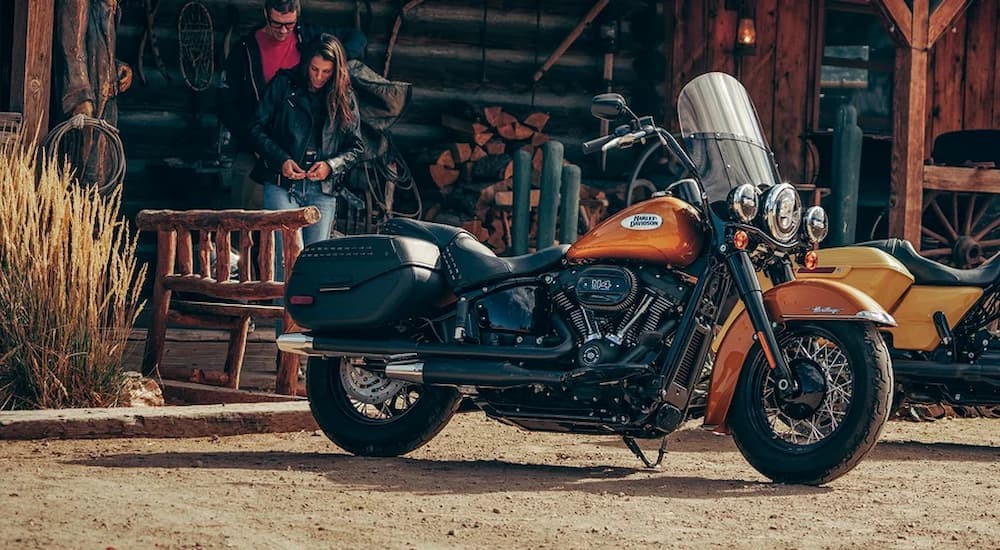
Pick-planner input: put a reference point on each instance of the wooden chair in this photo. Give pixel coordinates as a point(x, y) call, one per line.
point(175, 271)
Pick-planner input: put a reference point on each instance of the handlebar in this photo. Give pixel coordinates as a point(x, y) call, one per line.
point(596, 144)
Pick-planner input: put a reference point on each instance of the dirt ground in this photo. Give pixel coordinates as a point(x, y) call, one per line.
point(484, 485)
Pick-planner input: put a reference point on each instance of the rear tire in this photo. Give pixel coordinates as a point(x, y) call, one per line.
point(846, 424)
point(393, 419)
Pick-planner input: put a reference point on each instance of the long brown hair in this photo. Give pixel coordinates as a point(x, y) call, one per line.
point(338, 96)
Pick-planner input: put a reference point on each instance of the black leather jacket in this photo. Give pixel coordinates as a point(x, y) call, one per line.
point(281, 130)
point(243, 82)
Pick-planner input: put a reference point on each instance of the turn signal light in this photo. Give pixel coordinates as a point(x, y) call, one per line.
point(741, 240)
point(811, 260)
point(301, 300)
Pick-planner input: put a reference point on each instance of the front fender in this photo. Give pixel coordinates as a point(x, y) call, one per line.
point(797, 300)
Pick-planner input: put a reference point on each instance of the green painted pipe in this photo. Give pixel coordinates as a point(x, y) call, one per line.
point(521, 214)
point(548, 204)
point(569, 204)
point(845, 177)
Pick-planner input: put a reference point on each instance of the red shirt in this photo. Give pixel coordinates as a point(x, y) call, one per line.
point(275, 55)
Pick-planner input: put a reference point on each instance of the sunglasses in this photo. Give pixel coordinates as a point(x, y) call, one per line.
point(279, 25)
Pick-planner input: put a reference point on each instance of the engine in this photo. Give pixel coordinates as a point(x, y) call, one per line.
point(610, 307)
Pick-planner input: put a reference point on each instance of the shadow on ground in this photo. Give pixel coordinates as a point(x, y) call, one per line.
point(441, 477)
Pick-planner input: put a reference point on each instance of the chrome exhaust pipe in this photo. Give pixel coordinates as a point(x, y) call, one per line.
point(410, 372)
point(297, 343)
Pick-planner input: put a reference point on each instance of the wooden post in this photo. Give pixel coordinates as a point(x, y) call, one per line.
point(31, 62)
point(288, 364)
point(166, 252)
point(918, 29)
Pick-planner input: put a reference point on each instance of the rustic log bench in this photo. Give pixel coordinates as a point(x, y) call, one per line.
point(176, 272)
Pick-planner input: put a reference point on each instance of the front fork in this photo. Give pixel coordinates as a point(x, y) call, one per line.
point(745, 277)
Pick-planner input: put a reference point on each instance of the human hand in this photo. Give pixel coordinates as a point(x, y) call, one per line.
point(319, 171)
point(290, 169)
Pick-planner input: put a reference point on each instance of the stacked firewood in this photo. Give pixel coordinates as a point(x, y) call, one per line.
point(469, 173)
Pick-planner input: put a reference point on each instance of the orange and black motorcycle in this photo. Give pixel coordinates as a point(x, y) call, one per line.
point(609, 335)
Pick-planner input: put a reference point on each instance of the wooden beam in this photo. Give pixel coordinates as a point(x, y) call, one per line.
point(899, 15)
point(958, 179)
point(909, 130)
point(943, 17)
point(31, 62)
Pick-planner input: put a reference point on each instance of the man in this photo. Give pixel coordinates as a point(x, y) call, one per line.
point(253, 62)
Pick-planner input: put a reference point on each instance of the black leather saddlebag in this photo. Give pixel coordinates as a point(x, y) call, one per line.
point(363, 282)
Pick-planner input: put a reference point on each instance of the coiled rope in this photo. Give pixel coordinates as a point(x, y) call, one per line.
point(81, 141)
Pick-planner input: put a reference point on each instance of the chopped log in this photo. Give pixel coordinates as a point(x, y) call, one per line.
point(496, 147)
point(537, 121)
point(445, 160)
point(506, 132)
point(508, 172)
point(479, 128)
point(505, 199)
point(505, 119)
point(539, 139)
point(492, 115)
point(482, 138)
point(477, 154)
point(536, 161)
point(461, 152)
point(522, 132)
point(442, 175)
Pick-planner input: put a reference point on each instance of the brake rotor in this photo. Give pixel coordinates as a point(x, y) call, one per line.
point(368, 387)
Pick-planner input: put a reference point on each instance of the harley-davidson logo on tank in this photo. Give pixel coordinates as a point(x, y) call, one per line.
point(642, 222)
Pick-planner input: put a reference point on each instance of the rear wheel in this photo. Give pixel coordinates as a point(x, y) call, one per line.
point(367, 414)
point(822, 433)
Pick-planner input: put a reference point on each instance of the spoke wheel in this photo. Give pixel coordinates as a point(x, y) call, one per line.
point(824, 430)
point(812, 358)
point(368, 414)
point(960, 229)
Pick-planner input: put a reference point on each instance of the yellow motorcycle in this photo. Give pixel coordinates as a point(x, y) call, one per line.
point(945, 347)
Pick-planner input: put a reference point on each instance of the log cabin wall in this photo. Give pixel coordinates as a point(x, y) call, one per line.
point(780, 76)
point(455, 53)
point(964, 74)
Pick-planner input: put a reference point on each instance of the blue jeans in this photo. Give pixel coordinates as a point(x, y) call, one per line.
point(302, 193)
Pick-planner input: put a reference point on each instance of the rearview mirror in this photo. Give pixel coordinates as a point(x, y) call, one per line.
point(607, 106)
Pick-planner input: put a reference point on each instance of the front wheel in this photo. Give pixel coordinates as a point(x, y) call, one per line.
point(367, 414)
point(823, 432)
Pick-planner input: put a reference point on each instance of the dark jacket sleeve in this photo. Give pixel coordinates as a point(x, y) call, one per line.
point(352, 147)
point(274, 96)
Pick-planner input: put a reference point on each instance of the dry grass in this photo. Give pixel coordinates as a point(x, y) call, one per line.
point(69, 285)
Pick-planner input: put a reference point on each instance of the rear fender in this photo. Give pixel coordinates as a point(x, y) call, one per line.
point(797, 300)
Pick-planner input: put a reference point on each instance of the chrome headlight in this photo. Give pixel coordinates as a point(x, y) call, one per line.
point(816, 223)
point(783, 212)
point(743, 202)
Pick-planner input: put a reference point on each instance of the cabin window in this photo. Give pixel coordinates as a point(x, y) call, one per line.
point(856, 69)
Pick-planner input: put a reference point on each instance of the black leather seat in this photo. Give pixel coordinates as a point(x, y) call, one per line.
point(929, 272)
point(467, 261)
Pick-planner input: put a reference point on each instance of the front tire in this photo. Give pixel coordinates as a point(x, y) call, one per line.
point(822, 440)
point(367, 414)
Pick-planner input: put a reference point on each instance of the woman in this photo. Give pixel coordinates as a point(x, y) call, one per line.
point(307, 132)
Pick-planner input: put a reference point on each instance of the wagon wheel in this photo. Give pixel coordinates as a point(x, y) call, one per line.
point(960, 229)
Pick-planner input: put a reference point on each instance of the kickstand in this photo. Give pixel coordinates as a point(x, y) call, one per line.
point(634, 447)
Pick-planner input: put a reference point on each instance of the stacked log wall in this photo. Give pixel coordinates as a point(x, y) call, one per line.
point(444, 48)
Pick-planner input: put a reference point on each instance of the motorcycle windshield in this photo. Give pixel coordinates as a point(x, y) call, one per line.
point(723, 136)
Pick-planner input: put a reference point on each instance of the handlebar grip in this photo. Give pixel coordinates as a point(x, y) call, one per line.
point(595, 145)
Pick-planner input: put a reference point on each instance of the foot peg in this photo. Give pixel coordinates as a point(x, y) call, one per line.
point(634, 447)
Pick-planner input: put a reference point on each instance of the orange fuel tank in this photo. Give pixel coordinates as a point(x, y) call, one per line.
point(662, 230)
